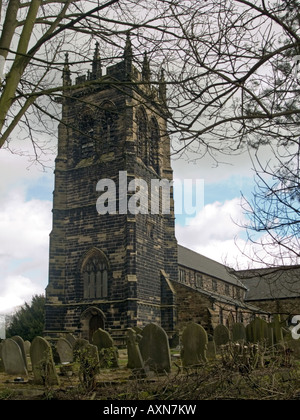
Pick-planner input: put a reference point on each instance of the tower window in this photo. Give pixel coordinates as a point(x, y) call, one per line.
point(108, 120)
point(154, 143)
point(94, 275)
point(86, 134)
point(142, 135)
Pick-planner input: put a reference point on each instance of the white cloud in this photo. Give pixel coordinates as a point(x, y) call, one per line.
point(214, 232)
point(24, 226)
point(24, 248)
point(16, 291)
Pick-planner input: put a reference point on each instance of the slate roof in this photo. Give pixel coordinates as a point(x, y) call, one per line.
point(193, 260)
point(271, 283)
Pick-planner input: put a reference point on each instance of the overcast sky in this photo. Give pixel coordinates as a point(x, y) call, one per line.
point(26, 219)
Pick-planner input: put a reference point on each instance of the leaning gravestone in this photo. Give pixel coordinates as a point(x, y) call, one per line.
point(194, 345)
point(70, 337)
point(43, 367)
point(12, 358)
point(135, 360)
point(19, 340)
point(154, 348)
point(65, 350)
point(108, 353)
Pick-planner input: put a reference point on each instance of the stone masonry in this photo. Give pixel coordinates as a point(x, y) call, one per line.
point(110, 271)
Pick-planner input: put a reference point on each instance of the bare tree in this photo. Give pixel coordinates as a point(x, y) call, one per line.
point(230, 68)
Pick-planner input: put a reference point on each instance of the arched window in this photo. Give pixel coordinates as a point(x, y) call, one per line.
point(107, 120)
point(86, 134)
point(154, 143)
point(95, 275)
point(142, 135)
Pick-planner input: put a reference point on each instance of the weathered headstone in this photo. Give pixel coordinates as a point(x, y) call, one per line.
point(238, 332)
point(43, 367)
point(19, 340)
point(27, 345)
point(65, 350)
point(194, 341)
point(135, 360)
point(211, 352)
point(108, 353)
point(2, 369)
point(221, 335)
point(257, 331)
point(154, 348)
point(70, 337)
point(12, 358)
point(89, 364)
point(277, 332)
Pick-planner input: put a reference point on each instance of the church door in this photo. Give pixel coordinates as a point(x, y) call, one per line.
point(96, 322)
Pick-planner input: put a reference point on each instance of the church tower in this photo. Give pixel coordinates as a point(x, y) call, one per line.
point(112, 269)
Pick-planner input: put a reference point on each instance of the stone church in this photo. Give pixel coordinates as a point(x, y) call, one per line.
point(123, 269)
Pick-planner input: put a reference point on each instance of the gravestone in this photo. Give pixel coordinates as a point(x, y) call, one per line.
point(65, 350)
point(27, 345)
point(238, 332)
point(154, 348)
point(89, 364)
point(221, 335)
point(1, 361)
point(257, 331)
point(43, 367)
point(12, 358)
point(19, 340)
point(211, 352)
point(194, 345)
point(70, 337)
point(108, 353)
point(135, 360)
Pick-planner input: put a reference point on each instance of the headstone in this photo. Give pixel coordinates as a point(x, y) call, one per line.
point(13, 359)
point(194, 345)
point(278, 332)
point(211, 352)
point(108, 353)
point(80, 343)
point(221, 335)
point(2, 369)
point(43, 367)
point(70, 337)
point(238, 332)
point(154, 348)
point(257, 331)
point(65, 350)
point(89, 364)
point(19, 340)
point(27, 345)
point(135, 360)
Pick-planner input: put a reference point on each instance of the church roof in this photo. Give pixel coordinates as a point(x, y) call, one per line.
point(271, 283)
point(198, 262)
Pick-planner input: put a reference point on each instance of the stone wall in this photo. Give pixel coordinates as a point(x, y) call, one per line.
point(98, 139)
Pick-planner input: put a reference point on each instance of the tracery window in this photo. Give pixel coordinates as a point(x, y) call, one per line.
point(94, 275)
point(154, 143)
point(142, 135)
point(107, 119)
point(86, 135)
